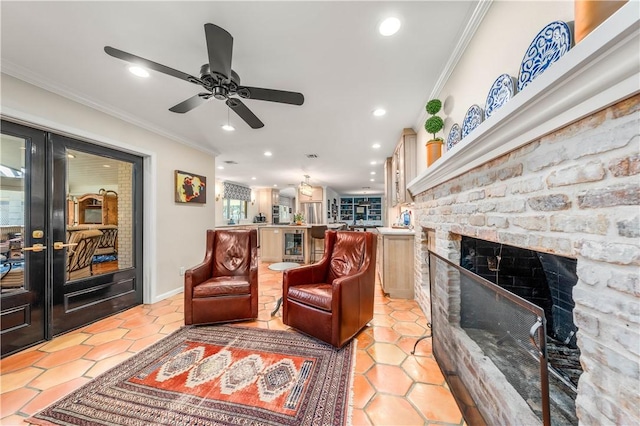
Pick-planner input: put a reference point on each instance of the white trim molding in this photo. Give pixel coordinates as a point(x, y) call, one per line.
point(601, 70)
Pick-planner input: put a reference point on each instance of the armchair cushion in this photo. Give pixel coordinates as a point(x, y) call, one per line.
point(317, 295)
point(222, 286)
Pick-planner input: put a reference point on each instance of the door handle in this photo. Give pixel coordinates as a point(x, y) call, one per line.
point(35, 248)
point(59, 245)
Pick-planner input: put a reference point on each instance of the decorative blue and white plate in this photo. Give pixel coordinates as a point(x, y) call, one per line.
point(472, 119)
point(548, 46)
point(501, 91)
point(454, 136)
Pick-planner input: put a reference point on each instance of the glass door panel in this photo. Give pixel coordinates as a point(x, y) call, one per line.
point(23, 245)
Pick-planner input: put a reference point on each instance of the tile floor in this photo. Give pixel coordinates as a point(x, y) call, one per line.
point(391, 386)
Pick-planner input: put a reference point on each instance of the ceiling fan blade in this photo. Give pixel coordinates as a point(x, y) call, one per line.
point(137, 60)
point(245, 113)
point(220, 49)
point(189, 104)
point(271, 95)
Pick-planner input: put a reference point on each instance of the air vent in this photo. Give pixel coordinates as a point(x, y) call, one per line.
point(366, 187)
point(312, 155)
point(231, 162)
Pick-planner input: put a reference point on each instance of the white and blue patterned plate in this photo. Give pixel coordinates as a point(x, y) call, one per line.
point(472, 119)
point(501, 91)
point(547, 47)
point(454, 136)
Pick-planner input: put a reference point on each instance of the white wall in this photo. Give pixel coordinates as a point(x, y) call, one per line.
point(174, 234)
point(497, 47)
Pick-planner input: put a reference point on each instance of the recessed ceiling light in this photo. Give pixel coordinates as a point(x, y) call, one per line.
point(375, 146)
point(389, 26)
point(106, 166)
point(372, 180)
point(228, 128)
point(220, 167)
point(379, 112)
point(139, 71)
point(71, 156)
point(268, 154)
point(373, 173)
point(275, 184)
point(373, 163)
point(253, 178)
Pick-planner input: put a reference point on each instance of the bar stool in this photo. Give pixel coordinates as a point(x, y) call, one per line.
point(317, 233)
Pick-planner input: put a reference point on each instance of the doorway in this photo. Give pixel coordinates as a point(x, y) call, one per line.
point(70, 234)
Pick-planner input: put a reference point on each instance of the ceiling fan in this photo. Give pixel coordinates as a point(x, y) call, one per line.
point(217, 78)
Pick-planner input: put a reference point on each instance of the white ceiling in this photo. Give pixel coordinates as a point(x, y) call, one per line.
point(329, 51)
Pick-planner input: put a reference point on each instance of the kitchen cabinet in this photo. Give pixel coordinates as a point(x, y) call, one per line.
point(271, 244)
point(267, 198)
point(395, 264)
point(403, 167)
point(317, 195)
point(101, 208)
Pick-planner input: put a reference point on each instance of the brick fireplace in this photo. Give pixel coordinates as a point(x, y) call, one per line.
point(574, 193)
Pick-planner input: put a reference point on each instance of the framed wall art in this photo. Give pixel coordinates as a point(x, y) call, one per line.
point(190, 187)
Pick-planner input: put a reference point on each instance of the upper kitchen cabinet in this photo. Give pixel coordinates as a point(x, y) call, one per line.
point(403, 168)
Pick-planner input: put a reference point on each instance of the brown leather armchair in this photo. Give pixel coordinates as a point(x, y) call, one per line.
point(332, 300)
point(224, 287)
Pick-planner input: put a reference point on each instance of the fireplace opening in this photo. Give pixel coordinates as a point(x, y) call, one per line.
point(546, 281)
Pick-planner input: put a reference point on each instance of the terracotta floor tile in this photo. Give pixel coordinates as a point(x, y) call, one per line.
point(65, 341)
point(140, 332)
point(386, 353)
point(363, 361)
point(423, 370)
point(389, 379)
point(19, 361)
point(17, 379)
point(364, 339)
point(359, 418)
point(171, 327)
point(404, 316)
point(14, 420)
point(108, 349)
point(435, 403)
point(362, 391)
point(169, 318)
point(49, 396)
point(106, 336)
point(12, 402)
point(61, 374)
point(409, 329)
point(103, 325)
point(164, 310)
point(423, 348)
point(382, 320)
point(55, 359)
point(143, 343)
point(402, 305)
point(140, 321)
point(386, 410)
point(107, 363)
point(385, 334)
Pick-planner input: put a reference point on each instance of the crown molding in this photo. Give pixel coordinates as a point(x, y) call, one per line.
point(23, 74)
point(468, 32)
point(599, 71)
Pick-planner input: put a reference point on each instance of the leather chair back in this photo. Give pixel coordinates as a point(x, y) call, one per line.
point(231, 253)
point(347, 255)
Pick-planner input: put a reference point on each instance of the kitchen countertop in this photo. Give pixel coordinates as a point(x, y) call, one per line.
point(239, 225)
point(396, 231)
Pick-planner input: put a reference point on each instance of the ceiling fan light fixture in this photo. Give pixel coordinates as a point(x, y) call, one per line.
point(389, 26)
point(138, 71)
point(379, 112)
point(228, 128)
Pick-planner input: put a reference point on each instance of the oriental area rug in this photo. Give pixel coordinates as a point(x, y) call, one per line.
point(218, 375)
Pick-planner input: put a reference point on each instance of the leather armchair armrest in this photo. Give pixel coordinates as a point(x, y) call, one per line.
point(309, 274)
point(196, 275)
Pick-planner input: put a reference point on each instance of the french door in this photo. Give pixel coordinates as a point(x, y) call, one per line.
point(70, 234)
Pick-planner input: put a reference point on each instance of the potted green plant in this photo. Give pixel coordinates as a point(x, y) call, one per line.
point(298, 218)
point(433, 125)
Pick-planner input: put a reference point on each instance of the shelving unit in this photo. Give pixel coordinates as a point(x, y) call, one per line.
point(351, 209)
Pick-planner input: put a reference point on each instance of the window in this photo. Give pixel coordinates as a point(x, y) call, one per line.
point(234, 209)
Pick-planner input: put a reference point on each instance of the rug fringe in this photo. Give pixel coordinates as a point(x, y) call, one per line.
point(349, 419)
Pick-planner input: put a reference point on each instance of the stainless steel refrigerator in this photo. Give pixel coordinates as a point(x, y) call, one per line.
point(312, 212)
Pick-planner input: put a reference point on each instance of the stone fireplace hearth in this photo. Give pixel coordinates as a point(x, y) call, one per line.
point(574, 193)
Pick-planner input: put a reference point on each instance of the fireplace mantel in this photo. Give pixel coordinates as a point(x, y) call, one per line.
point(599, 71)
